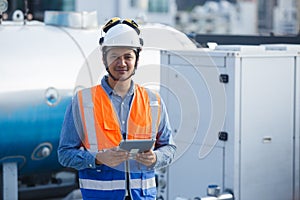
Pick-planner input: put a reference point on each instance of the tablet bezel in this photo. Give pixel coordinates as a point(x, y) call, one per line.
point(136, 146)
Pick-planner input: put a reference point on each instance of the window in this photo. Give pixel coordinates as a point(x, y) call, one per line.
point(134, 3)
point(160, 6)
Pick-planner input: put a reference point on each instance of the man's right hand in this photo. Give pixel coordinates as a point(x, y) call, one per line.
point(111, 157)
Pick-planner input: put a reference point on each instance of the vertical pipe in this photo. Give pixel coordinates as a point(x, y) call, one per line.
point(10, 181)
point(298, 15)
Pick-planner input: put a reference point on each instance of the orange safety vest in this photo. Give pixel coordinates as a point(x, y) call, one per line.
point(101, 124)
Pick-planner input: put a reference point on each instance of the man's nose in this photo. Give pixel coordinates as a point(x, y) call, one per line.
point(121, 61)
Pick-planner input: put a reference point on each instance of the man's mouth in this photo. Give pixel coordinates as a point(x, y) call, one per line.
point(121, 70)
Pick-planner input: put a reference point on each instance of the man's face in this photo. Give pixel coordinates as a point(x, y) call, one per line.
point(121, 62)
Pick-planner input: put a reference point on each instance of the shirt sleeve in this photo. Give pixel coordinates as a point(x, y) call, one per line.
point(70, 150)
point(165, 146)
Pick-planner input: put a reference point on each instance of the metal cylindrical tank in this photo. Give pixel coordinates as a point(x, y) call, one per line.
point(39, 67)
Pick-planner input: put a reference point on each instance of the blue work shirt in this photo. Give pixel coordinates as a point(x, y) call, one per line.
point(70, 151)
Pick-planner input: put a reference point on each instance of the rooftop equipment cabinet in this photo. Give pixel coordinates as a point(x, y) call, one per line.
point(235, 115)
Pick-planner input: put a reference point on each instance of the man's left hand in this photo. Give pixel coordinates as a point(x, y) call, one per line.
point(146, 158)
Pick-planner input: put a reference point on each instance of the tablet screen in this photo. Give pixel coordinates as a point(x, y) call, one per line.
point(136, 146)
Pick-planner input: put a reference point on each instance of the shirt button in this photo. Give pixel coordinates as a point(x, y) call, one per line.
point(123, 122)
point(90, 165)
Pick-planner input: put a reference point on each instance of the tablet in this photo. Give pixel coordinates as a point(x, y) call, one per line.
point(136, 146)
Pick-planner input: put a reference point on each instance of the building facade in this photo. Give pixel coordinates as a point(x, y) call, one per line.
point(161, 11)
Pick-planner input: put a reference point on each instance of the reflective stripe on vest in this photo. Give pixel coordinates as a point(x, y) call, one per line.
point(155, 110)
point(116, 184)
point(101, 124)
point(101, 185)
point(87, 118)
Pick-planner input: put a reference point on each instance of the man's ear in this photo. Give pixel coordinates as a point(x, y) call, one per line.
point(104, 61)
point(137, 54)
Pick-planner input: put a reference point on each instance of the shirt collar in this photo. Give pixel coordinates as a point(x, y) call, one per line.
point(110, 91)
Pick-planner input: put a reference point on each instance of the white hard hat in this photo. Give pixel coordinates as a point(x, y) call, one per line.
point(121, 35)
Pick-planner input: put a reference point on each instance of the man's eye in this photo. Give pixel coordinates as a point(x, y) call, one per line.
point(128, 57)
point(113, 57)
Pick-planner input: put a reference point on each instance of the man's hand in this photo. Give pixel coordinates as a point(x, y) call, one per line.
point(146, 158)
point(111, 157)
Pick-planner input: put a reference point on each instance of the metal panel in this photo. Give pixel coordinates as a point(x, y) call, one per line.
point(297, 131)
point(199, 57)
point(190, 108)
point(267, 117)
point(186, 175)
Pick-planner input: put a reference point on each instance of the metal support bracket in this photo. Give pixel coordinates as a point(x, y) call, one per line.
point(10, 180)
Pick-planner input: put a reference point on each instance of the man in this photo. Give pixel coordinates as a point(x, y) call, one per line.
point(100, 117)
